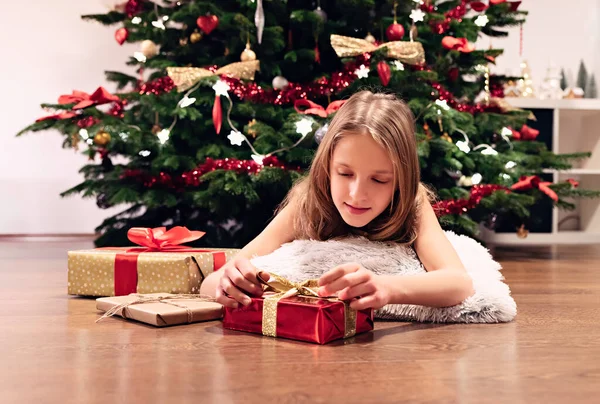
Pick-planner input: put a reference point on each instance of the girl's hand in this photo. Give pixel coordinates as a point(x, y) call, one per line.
point(238, 280)
point(353, 281)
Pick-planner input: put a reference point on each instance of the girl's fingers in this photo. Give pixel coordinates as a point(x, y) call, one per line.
point(348, 280)
point(364, 302)
point(244, 284)
point(361, 289)
point(233, 292)
point(337, 272)
point(224, 300)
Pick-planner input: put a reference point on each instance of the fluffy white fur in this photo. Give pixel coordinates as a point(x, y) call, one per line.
point(491, 303)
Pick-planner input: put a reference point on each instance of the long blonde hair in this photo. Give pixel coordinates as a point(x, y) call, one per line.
point(390, 123)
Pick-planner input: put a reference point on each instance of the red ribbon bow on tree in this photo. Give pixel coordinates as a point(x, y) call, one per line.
point(62, 115)
point(159, 239)
point(84, 100)
point(525, 133)
point(573, 183)
point(459, 44)
point(316, 109)
point(534, 181)
point(514, 5)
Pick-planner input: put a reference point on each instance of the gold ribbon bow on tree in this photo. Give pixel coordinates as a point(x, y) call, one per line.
point(186, 77)
point(411, 53)
point(284, 288)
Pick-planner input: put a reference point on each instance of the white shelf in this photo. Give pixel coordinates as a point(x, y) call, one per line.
point(561, 237)
point(589, 104)
point(575, 128)
point(575, 171)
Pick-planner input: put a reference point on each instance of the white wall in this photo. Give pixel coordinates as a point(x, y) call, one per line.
point(48, 50)
point(557, 31)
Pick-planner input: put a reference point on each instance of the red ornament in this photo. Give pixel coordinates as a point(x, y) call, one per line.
point(87, 121)
point(479, 6)
point(453, 73)
point(121, 35)
point(207, 23)
point(384, 71)
point(394, 32)
point(217, 114)
point(495, 2)
point(133, 7)
point(317, 54)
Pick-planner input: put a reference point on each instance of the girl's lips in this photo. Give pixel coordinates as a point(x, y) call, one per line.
point(355, 211)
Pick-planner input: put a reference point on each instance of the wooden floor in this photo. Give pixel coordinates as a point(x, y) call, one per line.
point(51, 351)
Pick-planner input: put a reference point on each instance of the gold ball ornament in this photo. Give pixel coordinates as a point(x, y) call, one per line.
point(195, 37)
point(149, 48)
point(522, 232)
point(102, 138)
point(446, 137)
point(248, 54)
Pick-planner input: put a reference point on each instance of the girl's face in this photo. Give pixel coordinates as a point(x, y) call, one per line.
point(362, 179)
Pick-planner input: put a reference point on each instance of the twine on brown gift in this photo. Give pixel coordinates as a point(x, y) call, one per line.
point(141, 299)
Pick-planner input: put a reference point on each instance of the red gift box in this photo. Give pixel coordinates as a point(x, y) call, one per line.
point(306, 317)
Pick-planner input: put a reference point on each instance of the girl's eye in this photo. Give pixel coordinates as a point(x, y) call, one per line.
point(379, 181)
point(345, 174)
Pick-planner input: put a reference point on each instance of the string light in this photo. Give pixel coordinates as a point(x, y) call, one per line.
point(304, 126)
point(362, 72)
point(482, 20)
point(417, 15)
point(236, 138)
point(163, 136)
point(186, 101)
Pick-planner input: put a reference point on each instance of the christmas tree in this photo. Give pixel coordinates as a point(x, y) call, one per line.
point(582, 76)
point(591, 91)
point(231, 98)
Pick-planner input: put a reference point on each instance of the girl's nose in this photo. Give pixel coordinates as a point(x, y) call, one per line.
point(358, 190)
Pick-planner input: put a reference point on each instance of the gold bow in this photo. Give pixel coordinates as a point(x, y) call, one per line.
point(406, 52)
point(285, 288)
point(185, 77)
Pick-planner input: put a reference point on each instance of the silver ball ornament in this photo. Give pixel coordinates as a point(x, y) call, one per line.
point(320, 133)
point(280, 82)
point(321, 14)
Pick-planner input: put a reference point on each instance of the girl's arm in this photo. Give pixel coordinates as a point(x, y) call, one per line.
point(446, 282)
point(278, 232)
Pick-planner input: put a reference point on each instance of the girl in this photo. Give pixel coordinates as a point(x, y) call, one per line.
point(364, 181)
